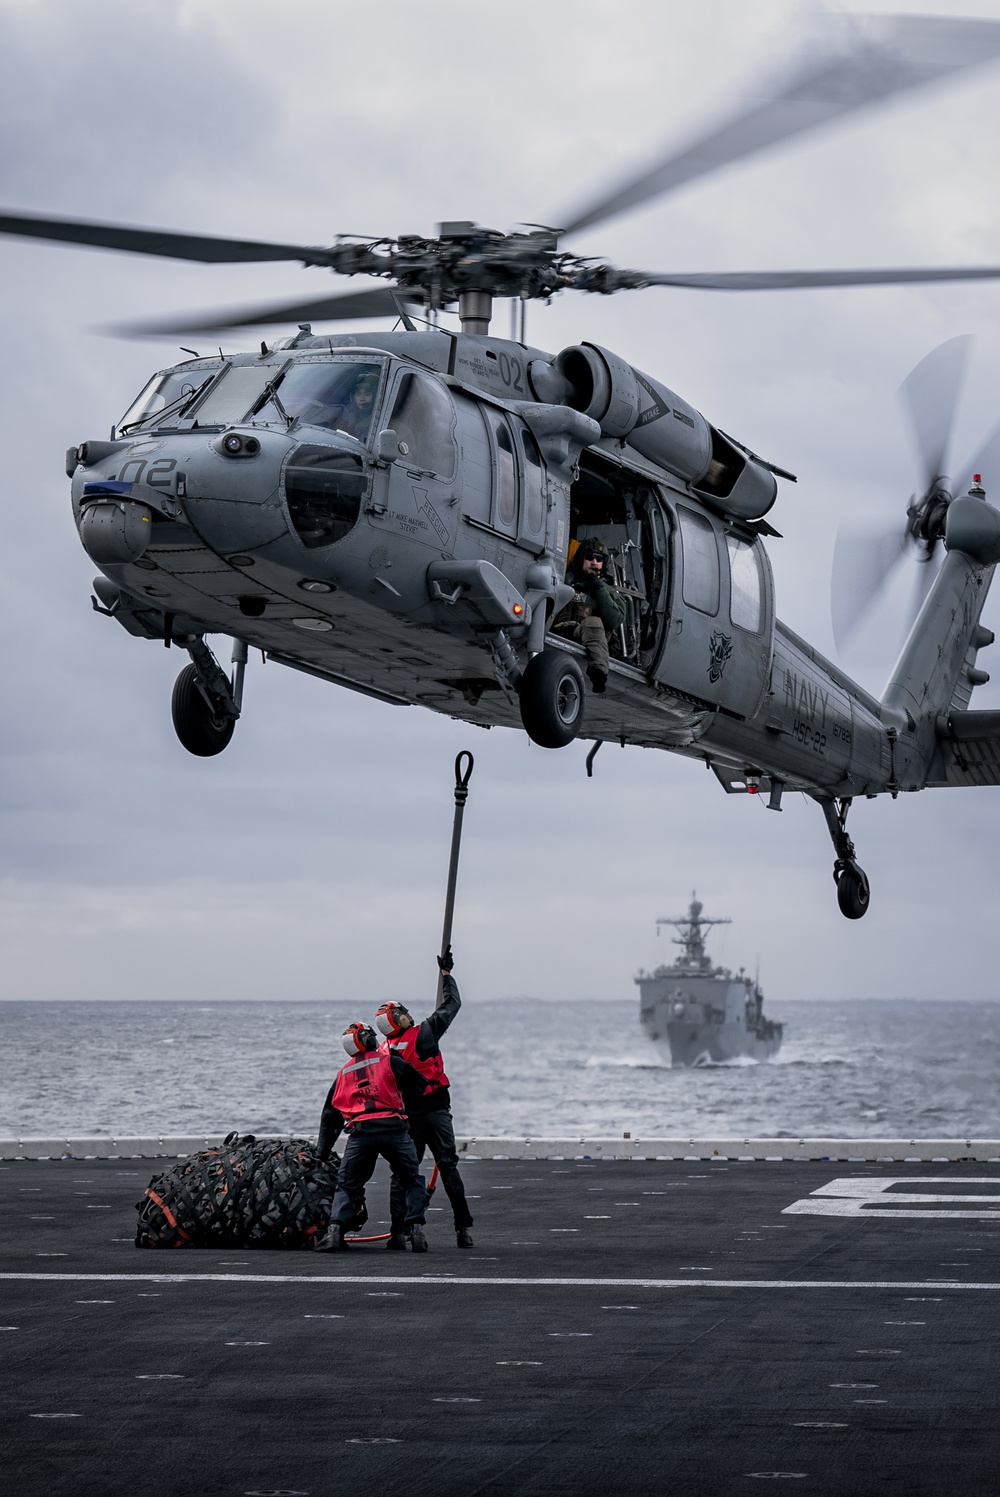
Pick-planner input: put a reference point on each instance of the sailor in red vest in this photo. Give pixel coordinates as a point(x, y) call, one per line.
point(365, 1102)
point(428, 1107)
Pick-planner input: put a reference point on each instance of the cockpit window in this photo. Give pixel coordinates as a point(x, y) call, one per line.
point(165, 398)
point(423, 419)
point(324, 487)
point(237, 390)
point(339, 396)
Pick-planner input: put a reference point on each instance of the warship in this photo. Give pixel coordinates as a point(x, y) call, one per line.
point(701, 1014)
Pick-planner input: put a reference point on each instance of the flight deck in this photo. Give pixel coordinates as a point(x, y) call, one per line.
point(635, 1327)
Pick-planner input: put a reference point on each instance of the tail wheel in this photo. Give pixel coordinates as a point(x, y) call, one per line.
point(196, 725)
point(853, 891)
point(552, 696)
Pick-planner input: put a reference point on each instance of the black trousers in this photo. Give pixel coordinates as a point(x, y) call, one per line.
point(434, 1131)
point(361, 1155)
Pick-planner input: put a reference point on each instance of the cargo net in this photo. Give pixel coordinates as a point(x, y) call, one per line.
point(249, 1192)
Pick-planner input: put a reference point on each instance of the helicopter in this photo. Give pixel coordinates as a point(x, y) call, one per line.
point(395, 512)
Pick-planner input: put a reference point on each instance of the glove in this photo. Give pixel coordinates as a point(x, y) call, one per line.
point(446, 960)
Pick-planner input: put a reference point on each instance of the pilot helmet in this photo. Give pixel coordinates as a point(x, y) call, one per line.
point(359, 1039)
point(392, 1019)
point(366, 380)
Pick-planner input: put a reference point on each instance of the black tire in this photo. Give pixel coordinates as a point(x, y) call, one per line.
point(552, 696)
point(198, 729)
point(853, 892)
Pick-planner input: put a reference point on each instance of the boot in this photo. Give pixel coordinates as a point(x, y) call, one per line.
point(332, 1240)
point(598, 679)
point(396, 1243)
point(464, 1237)
point(417, 1239)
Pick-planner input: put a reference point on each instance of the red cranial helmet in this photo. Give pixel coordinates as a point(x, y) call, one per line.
point(359, 1039)
point(392, 1019)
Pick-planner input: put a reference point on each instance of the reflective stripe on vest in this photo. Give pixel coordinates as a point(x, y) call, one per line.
point(366, 1088)
point(431, 1069)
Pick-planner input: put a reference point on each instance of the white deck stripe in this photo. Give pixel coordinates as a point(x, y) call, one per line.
point(274, 1278)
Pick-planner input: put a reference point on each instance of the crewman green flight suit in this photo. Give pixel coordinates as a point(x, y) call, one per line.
point(595, 609)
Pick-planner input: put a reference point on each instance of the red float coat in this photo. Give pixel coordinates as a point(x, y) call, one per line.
point(367, 1089)
point(431, 1067)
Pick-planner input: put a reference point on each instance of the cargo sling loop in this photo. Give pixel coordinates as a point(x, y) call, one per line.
point(464, 764)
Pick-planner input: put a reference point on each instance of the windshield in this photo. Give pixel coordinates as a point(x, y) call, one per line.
point(339, 396)
point(165, 397)
point(238, 389)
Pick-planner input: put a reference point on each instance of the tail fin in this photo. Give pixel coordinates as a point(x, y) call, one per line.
point(936, 670)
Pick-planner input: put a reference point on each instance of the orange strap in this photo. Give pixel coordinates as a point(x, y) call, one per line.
point(171, 1218)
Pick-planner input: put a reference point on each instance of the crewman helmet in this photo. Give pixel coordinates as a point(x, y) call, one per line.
point(593, 549)
point(392, 1019)
point(359, 1039)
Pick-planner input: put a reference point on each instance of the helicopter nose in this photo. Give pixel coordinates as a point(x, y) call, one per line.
point(113, 526)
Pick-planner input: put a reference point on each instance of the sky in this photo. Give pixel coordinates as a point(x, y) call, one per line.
point(308, 861)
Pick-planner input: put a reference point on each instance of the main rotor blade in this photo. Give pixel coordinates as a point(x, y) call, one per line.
point(930, 394)
point(376, 301)
point(802, 280)
point(862, 563)
point(206, 248)
point(903, 52)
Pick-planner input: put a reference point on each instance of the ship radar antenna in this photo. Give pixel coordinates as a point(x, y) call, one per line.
point(690, 929)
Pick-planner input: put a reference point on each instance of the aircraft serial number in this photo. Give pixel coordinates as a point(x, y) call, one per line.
point(810, 737)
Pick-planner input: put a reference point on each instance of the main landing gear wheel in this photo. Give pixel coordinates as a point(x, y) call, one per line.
point(853, 892)
point(552, 695)
point(198, 728)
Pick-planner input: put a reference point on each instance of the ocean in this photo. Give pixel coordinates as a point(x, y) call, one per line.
point(889, 1068)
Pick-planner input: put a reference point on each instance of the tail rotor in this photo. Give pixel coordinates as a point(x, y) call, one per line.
point(866, 559)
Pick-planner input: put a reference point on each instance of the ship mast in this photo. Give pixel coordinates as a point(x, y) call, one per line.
point(690, 936)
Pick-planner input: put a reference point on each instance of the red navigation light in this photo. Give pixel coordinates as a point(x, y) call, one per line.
point(517, 610)
point(977, 478)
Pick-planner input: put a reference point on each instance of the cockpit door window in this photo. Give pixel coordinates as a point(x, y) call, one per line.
point(423, 418)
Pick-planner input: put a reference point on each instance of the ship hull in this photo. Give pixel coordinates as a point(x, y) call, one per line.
point(699, 1021)
point(690, 1044)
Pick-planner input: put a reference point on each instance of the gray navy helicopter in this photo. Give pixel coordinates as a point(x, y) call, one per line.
point(394, 512)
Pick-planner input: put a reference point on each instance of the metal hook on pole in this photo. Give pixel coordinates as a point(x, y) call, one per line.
point(464, 764)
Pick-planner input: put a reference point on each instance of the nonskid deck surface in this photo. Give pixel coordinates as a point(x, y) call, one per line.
point(621, 1327)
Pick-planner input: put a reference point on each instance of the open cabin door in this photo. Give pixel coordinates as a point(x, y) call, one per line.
point(718, 643)
point(611, 503)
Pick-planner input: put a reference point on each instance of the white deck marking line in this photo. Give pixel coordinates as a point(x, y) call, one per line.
point(869, 1195)
point(275, 1278)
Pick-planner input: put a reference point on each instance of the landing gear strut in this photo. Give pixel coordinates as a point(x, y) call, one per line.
point(205, 704)
point(853, 892)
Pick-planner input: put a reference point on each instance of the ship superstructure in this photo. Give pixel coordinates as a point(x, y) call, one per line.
point(699, 1013)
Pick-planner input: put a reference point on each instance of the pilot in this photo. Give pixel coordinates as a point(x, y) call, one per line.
point(428, 1110)
point(366, 1102)
point(595, 609)
point(355, 416)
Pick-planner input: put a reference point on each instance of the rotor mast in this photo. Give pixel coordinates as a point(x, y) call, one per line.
point(475, 309)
